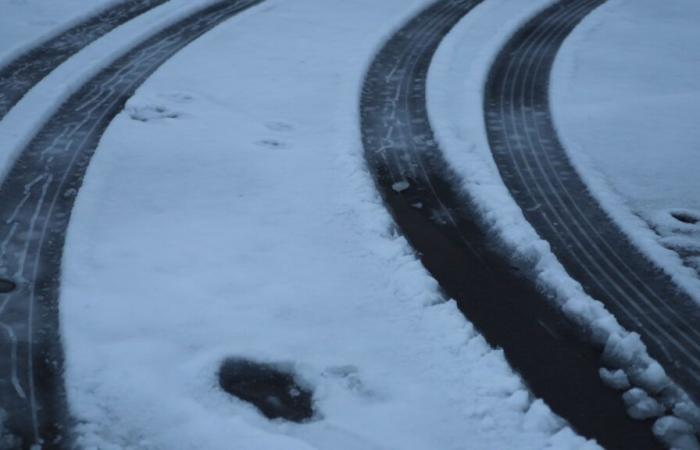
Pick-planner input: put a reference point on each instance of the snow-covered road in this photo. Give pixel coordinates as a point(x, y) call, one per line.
point(228, 212)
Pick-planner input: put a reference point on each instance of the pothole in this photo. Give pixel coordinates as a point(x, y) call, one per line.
point(7, 286)
point(273, 389)
point(685, 217)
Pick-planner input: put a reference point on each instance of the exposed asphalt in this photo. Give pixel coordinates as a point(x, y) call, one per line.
point(554, 199)
point(18, 76)
point(36, 199)
point(556, 361)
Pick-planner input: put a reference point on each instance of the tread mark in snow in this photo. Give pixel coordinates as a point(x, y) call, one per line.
point(557, 362)
point(35, 205)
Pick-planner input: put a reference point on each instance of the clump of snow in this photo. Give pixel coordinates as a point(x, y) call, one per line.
point(640, 405)
point(191, 242)
point(400, 186)
point(676, 433)
point(624, 351)
point(616, 379)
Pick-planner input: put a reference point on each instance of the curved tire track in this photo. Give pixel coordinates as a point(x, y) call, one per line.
point(554, 199)
point(417, 186)
point(19, 75)
point(35, 205)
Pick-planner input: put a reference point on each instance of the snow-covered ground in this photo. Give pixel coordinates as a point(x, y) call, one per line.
point(455, 103)
point(228, 212)
point(23, 23)
point(626, 99)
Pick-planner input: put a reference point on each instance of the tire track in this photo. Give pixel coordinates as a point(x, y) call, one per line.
point(18, 76)
point(558, 364)
point(36, 200)
point(554, 199)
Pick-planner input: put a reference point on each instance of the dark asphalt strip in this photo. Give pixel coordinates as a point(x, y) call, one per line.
point(36, 200)
point(554, 199)
point(19, 75)
point(558, 364)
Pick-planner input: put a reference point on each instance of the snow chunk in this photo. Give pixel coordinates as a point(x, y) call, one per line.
point(640, 405)
point(676, 433)
point(400, 186)
point(623, 351)
point(616, 379)
point(653, 378)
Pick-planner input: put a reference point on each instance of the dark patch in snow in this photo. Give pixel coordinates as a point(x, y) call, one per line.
point(7, 286)
point(273, 389)
point(685, 217)
point(148, 113)
point(271, 143)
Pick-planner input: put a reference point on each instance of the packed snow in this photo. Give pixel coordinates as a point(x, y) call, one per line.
point(228, 213)
point(455, 104)
point(626, 100)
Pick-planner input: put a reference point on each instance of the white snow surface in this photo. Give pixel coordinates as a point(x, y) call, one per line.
point(626, 101)
point(24, 23)
point(228, 212)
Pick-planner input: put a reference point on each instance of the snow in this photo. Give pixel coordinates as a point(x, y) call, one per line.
point(616, 379)
point(640, 405)
point(25, 23)
point(228, 213)
point(455, 104)
point(626, 99)
point(676, 433)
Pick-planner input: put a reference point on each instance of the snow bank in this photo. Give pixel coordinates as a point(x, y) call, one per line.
point(228, 213)
point(626, 101)
point(455, 104)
